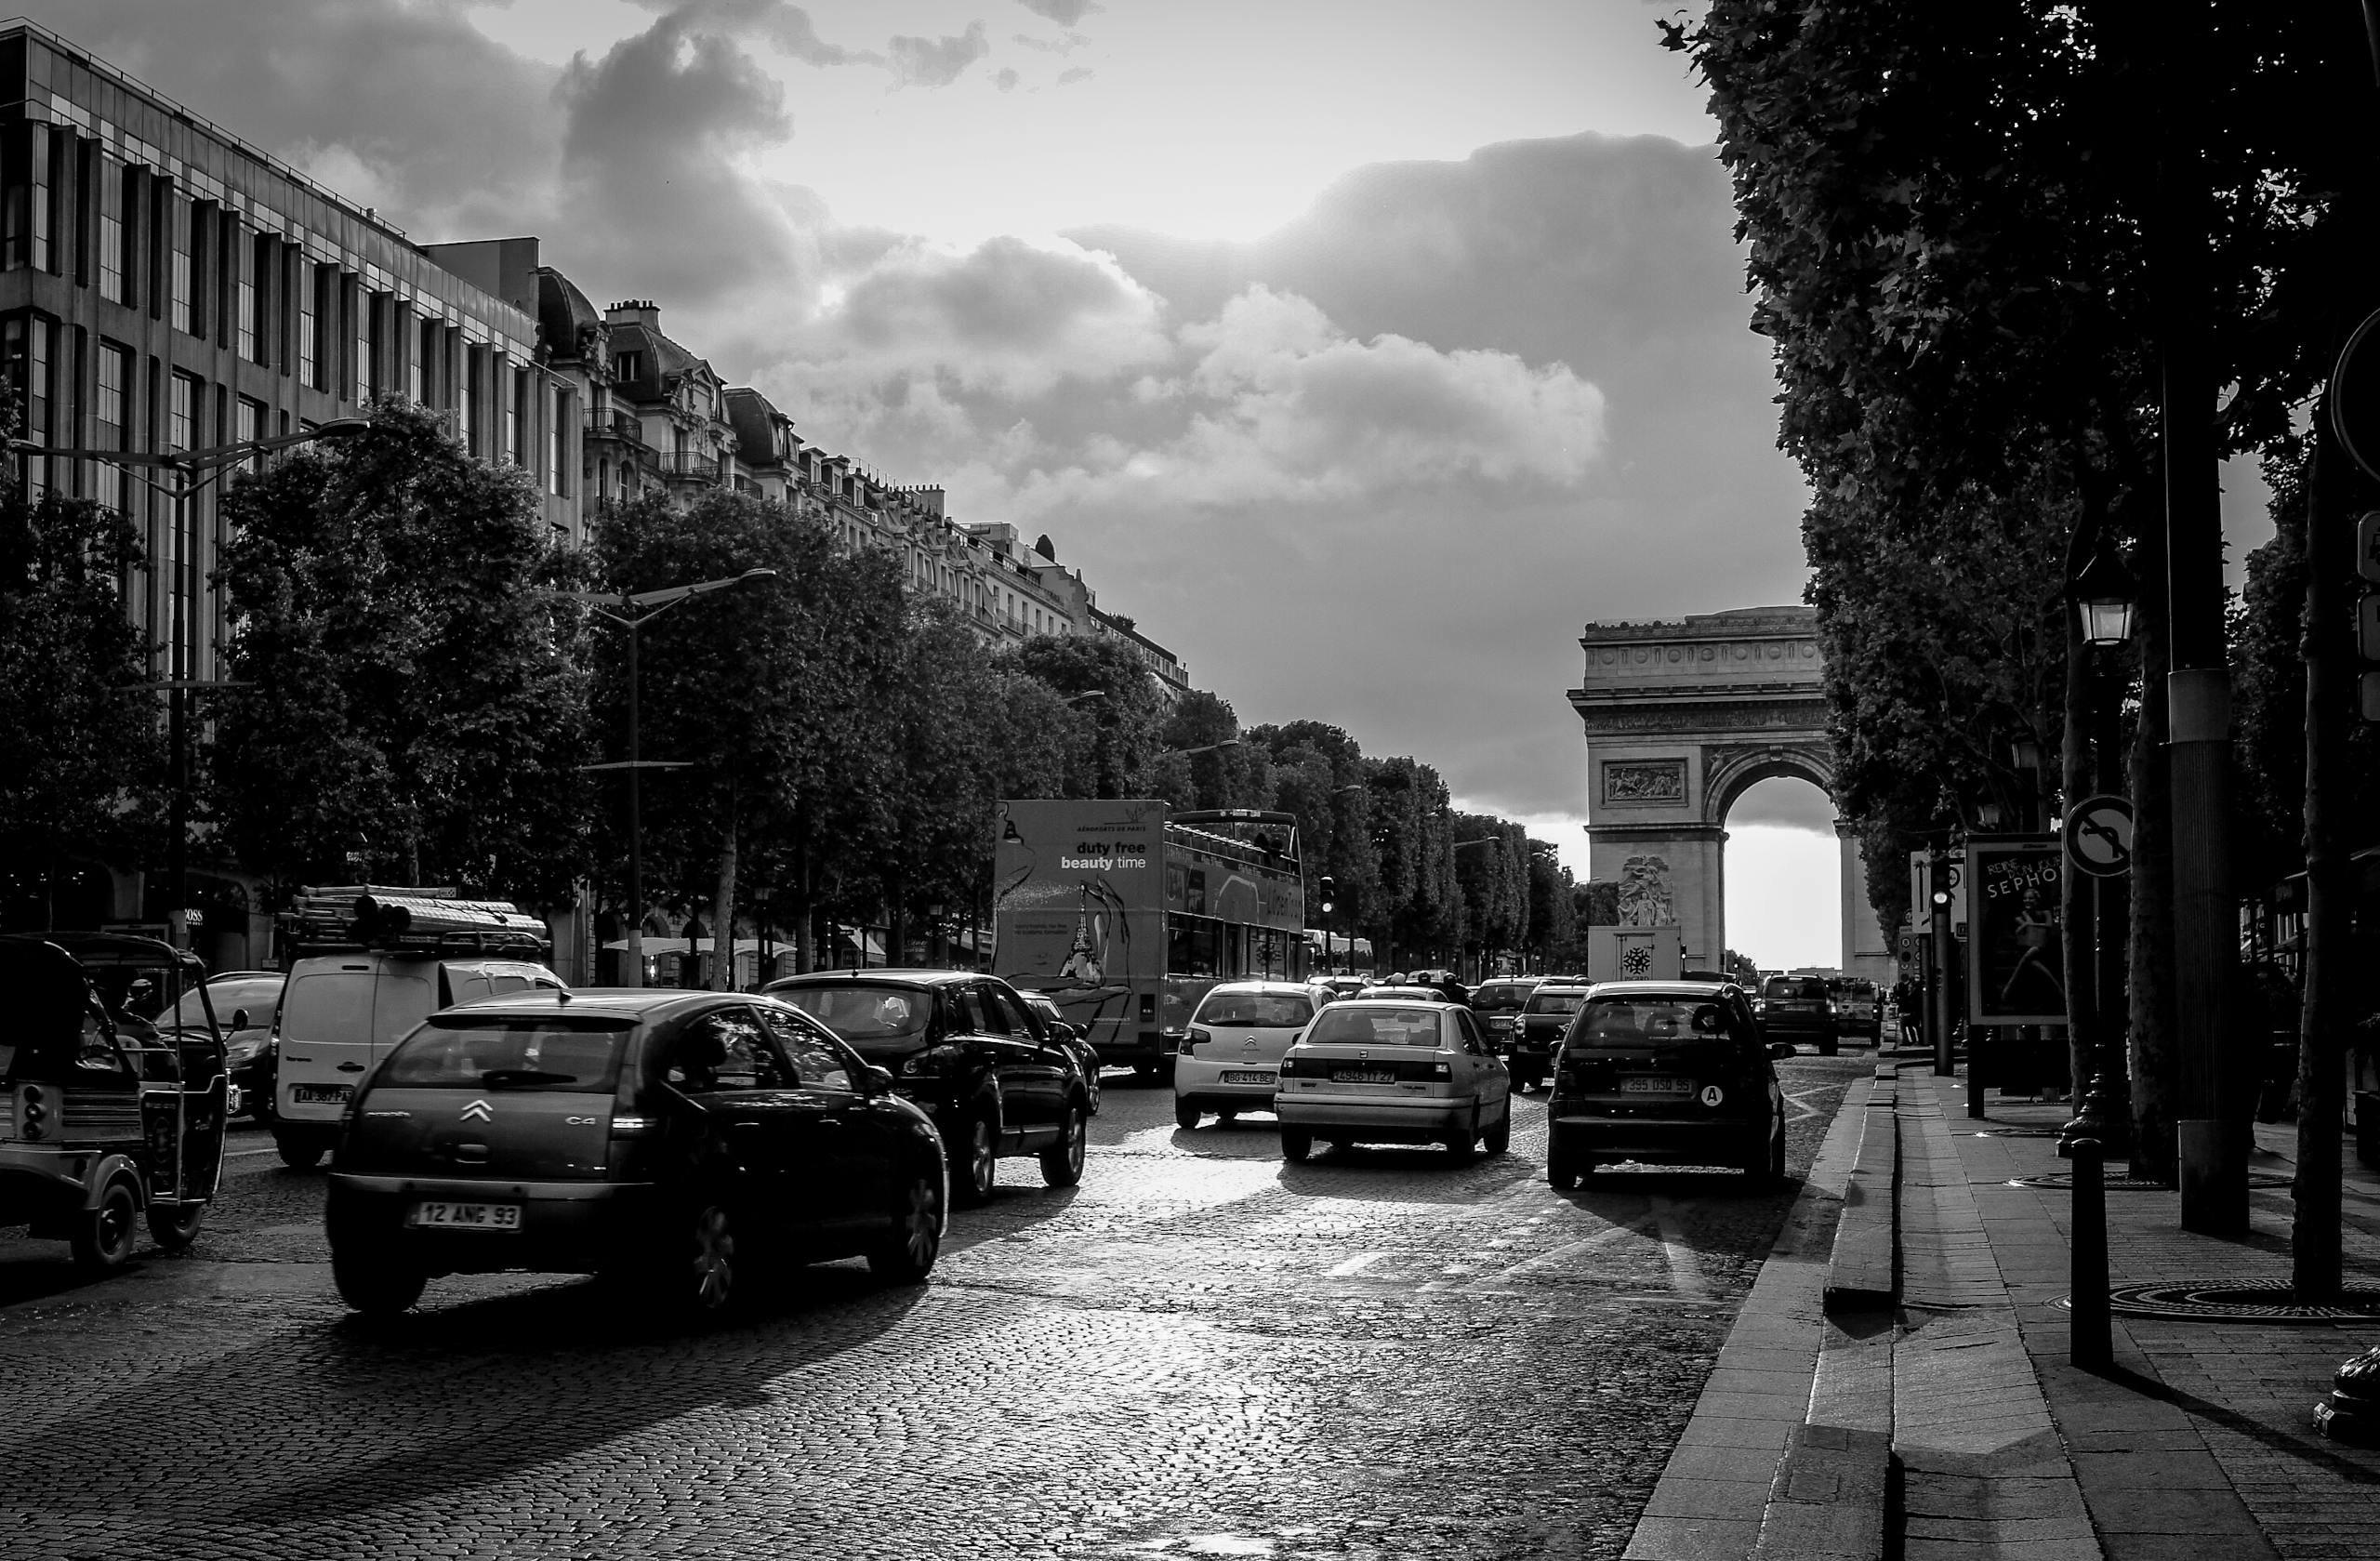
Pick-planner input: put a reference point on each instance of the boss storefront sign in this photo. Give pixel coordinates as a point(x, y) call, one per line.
point(2015, 938)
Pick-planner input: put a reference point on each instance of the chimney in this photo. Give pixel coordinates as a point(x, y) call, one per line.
point(636, 311)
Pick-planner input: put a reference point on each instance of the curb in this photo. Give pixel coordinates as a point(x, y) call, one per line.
point(1863, 1274)
point(1715, 1492)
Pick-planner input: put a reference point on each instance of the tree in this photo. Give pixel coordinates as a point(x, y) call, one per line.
point(1237, 777)
point(85, 781)
point(1126, 714)
point(417, 703)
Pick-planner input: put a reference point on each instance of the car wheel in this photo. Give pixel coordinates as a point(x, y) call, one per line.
point(1461, 1141)
point(908, 1256)
point(174, 1228)
point(1297, 1146)
point(1828, 1046)
point(1561, 1175)
point(1499, 1137)
point(1227, 1114)
point(1185, 1113)
point(298, 1153)
point(1145, 1072)
point(1091, 1089)
point(975, 1179)
point(1777, 1150)
point(1062, 1162)
point(102, 1237)
point(377, 1286)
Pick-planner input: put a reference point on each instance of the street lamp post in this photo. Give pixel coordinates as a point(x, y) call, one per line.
point(191, 470)
point(634, 610)
point(2102, 592)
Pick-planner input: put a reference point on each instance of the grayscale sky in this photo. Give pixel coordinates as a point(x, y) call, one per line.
point(1361, 350)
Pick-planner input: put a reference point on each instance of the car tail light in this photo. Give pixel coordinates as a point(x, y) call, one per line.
point(1195, 1037)
point(627, 1126)
point(33, 1113)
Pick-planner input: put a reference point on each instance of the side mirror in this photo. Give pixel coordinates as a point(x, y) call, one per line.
point(1780, 1049)
point(238, 1018)
point(875, 1080)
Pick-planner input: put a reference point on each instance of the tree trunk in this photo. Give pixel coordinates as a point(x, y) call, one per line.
point(805, 896)
point(722, 906)
point(2154, 1060)
point(2084, 1019)
point(2314, 1243)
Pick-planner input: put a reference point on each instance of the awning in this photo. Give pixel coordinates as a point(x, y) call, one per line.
point(656, 943)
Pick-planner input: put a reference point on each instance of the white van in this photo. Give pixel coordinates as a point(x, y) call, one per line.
point(341, 1013)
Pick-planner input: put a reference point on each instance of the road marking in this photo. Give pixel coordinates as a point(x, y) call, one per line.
point(236, 1154)
point(1568, 1252)
point(1356, 1264)
point(1801, 1107)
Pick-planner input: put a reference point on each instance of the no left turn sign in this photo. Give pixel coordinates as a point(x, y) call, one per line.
point(2098, 836)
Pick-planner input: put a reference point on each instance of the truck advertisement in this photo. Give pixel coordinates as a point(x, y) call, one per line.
point(1077, 911)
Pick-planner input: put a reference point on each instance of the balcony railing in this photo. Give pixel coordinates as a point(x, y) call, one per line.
point(616, 424)
point(679, 466)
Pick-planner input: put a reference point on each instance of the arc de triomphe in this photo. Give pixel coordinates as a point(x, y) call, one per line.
point(1680, 719)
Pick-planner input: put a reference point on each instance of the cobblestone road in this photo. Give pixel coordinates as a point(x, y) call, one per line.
point(1199, 1350)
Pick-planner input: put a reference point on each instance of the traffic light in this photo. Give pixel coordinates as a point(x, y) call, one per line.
point(1330, 888)
point(1937, 880)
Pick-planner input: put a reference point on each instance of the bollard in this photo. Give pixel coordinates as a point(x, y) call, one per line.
point(2091, 1346)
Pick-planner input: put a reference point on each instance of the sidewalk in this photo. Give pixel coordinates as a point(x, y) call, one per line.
point(1941, 1420)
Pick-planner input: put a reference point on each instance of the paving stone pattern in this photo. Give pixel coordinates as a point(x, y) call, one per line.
point(1199, 1350)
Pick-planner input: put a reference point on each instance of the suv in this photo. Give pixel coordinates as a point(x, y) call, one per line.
point(1856, 1007)
point(660, 1137)
point(341, 1013)
point(1671, 1072)
point(1536, 1030)
point(1800, 1005)
point(967, 1052)
point(1497, 1003)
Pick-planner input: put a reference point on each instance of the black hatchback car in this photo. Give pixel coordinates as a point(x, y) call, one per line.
point(661, 1137)
point(1671, 1072)
point(1536, 1030)
point(1793, 1006)
point(972, 1054)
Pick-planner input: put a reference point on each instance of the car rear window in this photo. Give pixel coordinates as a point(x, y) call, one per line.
point(859, 1011)
point(1255, 1011)
point(465, 1051)
point(1500, 994)
point(1794, 991)
point(1634, 1022)
point(1341, 1025)
point(1554, 1002)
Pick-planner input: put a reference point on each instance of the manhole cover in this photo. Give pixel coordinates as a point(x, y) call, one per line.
point(2264, 1300)
point(2132, 1183)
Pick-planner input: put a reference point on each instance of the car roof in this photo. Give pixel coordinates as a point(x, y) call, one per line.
point(1431, 1002)
point(1663, 988)
point(1263, 984)
point(905, 977)
point(632, 1002)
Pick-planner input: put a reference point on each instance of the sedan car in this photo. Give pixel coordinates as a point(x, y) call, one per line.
point(1053, 1023)
point(1228, 1059)
point(245, 1003)
point(1673, 1073)
point(662, 1138)
point(1797, 1007)
point(1393, 1071)
point(1536, 1030)
point(970, 1054)
point(1498, 1005)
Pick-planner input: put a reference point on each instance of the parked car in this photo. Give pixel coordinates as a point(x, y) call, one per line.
point(1393, 1071)
point(245, 1003)
point(1799, 1006)
point(969, 1051)
point(1673, 1073)
point(1536, 1030)
point(1341, 985)
point(663, 1138)
point(1857, 1011)
point(1053, 1022)
point(1404, 990)
point(1498, 1003)
point(1229, 1058)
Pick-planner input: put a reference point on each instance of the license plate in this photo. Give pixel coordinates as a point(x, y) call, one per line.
point(465, 1216)
point(1247, 1078)
point(1656, 1086)
point(321, 1094)
point(1362, 1076)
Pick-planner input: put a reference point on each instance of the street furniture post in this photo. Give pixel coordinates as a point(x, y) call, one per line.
point(2091, 1347)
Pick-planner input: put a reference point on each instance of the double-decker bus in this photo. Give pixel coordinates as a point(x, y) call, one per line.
point(1125, 912)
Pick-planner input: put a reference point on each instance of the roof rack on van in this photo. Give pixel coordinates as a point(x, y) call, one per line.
point(410, 919)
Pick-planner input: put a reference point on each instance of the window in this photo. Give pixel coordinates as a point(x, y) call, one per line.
point(178, 265)
point(240, 260)
point(516, 409)
point(425, 360)
point(248, 425)
point(417, 350)
point(181, 422)
point(110, 180)
point(467, 403)
point(558, 445)
point(42, 206)
point(724, 1050)
point(626, 365)
point(115, 417)
point(819, 1062)
point(310, 286)
point(366, 377)
point(36, 397)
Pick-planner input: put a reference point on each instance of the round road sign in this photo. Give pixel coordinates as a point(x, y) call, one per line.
point(2098, 836)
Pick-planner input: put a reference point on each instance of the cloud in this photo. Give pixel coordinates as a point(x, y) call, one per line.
point(788, 29)
point(1079, 73)
point(1065, 13)
point(936, 61)
point(1007, 79)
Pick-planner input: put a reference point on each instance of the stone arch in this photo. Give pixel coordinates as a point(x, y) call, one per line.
point(1682, 717)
